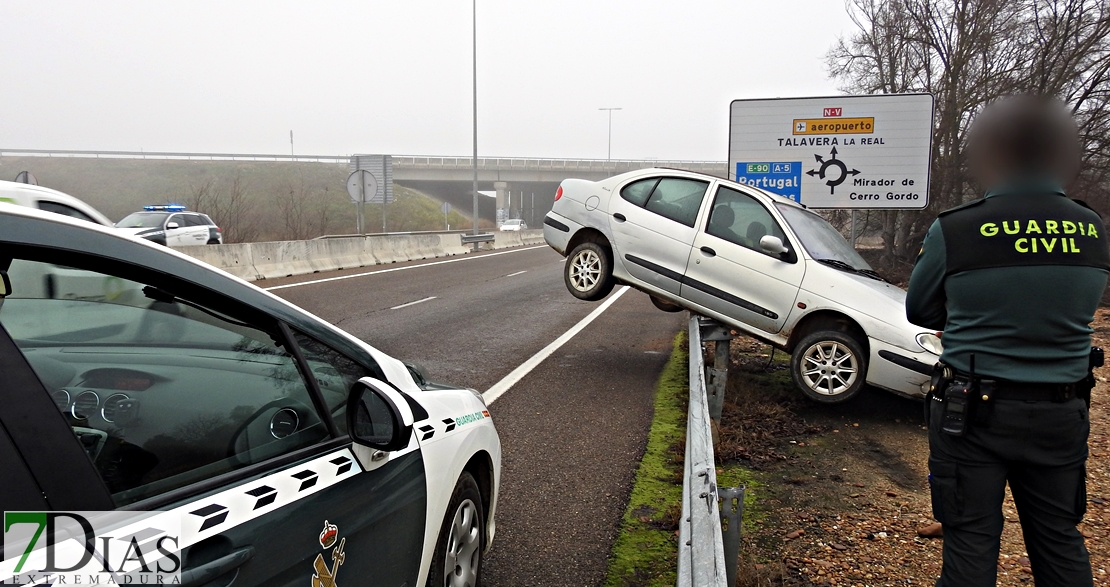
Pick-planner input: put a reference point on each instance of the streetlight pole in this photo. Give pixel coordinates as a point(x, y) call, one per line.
point(474, 12)
point(610, 110)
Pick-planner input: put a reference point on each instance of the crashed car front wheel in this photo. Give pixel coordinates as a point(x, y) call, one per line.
point(588, 272)
point(829, 366)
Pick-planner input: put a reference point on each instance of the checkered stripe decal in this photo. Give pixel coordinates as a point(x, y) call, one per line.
point(217, 513)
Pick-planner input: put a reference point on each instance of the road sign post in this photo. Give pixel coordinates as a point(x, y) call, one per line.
point(362, 187)
point(446, 208)
point(853, 152)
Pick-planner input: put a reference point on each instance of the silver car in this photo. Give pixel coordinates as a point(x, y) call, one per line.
point(754, 260)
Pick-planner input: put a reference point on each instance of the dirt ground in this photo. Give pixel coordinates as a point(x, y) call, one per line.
point(842, 490)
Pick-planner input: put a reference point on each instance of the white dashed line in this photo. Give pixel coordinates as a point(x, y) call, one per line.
point(517, 273)
point(467, 258)
point(526, 367)
point(413, 303)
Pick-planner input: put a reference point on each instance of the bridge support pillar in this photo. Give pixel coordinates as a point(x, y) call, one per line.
point(503, 212)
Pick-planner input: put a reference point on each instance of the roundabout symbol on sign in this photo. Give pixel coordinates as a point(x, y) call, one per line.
point(830, 181)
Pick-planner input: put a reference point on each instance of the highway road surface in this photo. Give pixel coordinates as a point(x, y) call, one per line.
point(573, 420)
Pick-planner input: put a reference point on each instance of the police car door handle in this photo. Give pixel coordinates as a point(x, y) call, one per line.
point(619, 217)
point(221, 566)
point(709, 252)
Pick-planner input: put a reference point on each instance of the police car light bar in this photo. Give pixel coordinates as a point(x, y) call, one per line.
point(165, 208)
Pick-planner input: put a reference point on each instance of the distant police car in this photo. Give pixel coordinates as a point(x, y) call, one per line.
point(172, 225)
point(135, 378)
point(756, 261)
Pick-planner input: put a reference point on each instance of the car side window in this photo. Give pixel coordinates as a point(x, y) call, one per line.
point(195, 220)
point(64, 210)
point(637, 192)
point(163, 390)
point(740, 219)
point(179, 219)
point(678, 199)
point(335, 375)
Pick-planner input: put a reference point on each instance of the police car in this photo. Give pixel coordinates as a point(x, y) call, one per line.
point(135, 378)
point(172, 225)
point(751, 259)
point(44, 198)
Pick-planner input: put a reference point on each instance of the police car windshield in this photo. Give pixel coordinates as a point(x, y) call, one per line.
point(820, 239)
point(143, 220)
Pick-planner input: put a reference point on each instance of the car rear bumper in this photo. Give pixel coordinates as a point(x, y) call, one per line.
point(558, 230)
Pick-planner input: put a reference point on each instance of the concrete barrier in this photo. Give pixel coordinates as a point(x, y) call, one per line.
point(268, 260)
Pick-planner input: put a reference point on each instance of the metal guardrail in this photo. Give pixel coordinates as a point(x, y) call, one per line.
point(468, 239)
point(703, 559)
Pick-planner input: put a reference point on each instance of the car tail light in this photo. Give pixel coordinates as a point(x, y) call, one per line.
point(558, 193)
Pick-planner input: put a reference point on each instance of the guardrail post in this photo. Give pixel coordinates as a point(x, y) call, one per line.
point(716, 377)
point(732, 518)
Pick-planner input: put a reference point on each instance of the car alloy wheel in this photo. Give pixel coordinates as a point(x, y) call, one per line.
point(457, 561)
point(588, 272)
point(829, 367)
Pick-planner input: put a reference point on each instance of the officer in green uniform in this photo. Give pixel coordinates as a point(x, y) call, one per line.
point(1013, 280)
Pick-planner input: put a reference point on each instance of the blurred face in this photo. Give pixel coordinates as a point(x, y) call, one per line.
point(1023, 136)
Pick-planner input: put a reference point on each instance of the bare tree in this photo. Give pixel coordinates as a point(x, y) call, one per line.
point(968, 53)
point(232, 211)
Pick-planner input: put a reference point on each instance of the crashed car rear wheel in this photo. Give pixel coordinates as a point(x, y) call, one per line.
point(829, 366)
point(588, 272)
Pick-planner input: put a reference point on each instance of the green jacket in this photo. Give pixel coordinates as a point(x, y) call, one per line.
point(1015, 279)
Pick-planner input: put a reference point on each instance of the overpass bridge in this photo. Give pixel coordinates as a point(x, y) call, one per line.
point(525, 186)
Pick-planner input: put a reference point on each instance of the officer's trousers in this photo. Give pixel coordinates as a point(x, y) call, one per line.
point(1040, 448)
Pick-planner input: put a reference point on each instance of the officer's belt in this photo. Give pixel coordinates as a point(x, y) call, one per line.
point(996, 389)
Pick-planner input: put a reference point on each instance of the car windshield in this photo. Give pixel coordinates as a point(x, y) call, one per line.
point(142, 220)
point(512, 222)
point(820, 239)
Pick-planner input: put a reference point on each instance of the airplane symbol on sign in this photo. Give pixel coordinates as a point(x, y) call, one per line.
point(800, 126)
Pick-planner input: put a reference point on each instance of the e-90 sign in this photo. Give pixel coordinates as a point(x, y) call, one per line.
point(759, 168)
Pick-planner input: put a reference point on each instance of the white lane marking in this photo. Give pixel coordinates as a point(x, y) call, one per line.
point(467, 258)
point(517, 273)
point(413, 303)
point(526, 367)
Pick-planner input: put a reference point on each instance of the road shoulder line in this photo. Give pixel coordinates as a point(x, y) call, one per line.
point(498, 389)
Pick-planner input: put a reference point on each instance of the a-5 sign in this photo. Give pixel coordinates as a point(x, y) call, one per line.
point(106, 548)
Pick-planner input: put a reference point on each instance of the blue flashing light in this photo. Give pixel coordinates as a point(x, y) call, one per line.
point(165, 208)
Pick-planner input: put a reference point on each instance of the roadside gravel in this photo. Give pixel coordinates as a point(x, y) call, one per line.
point(843, 489)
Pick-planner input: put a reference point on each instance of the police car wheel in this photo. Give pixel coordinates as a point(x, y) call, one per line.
point(665, 305)
point(457, 561)
point(588, 272)
point(829, 366)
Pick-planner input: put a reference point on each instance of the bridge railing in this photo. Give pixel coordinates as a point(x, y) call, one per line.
point(532, 163)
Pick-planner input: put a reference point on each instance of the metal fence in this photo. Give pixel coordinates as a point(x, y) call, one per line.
point(707, 554)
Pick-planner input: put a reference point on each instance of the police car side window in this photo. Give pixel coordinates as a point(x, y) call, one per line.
point(161, 388)
point(335, 375)
point(64, 210)
point(179, 219)
point(195, 220)
point(740, 219)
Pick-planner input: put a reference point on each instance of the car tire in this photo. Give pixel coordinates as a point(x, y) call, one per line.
point(588, 272)
point(665, 305)
point(458, 555)
point(829, 366)
point(212, 242)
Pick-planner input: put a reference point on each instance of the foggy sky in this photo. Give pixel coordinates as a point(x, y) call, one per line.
point(378, 76)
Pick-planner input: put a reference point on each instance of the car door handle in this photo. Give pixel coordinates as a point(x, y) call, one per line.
point(709, 252)
point(208, 571)
point(620, 217)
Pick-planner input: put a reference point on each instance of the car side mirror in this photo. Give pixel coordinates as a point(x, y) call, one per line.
point(170, 225)
point(772, 245)
point(378, 416)
point(5, 284)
